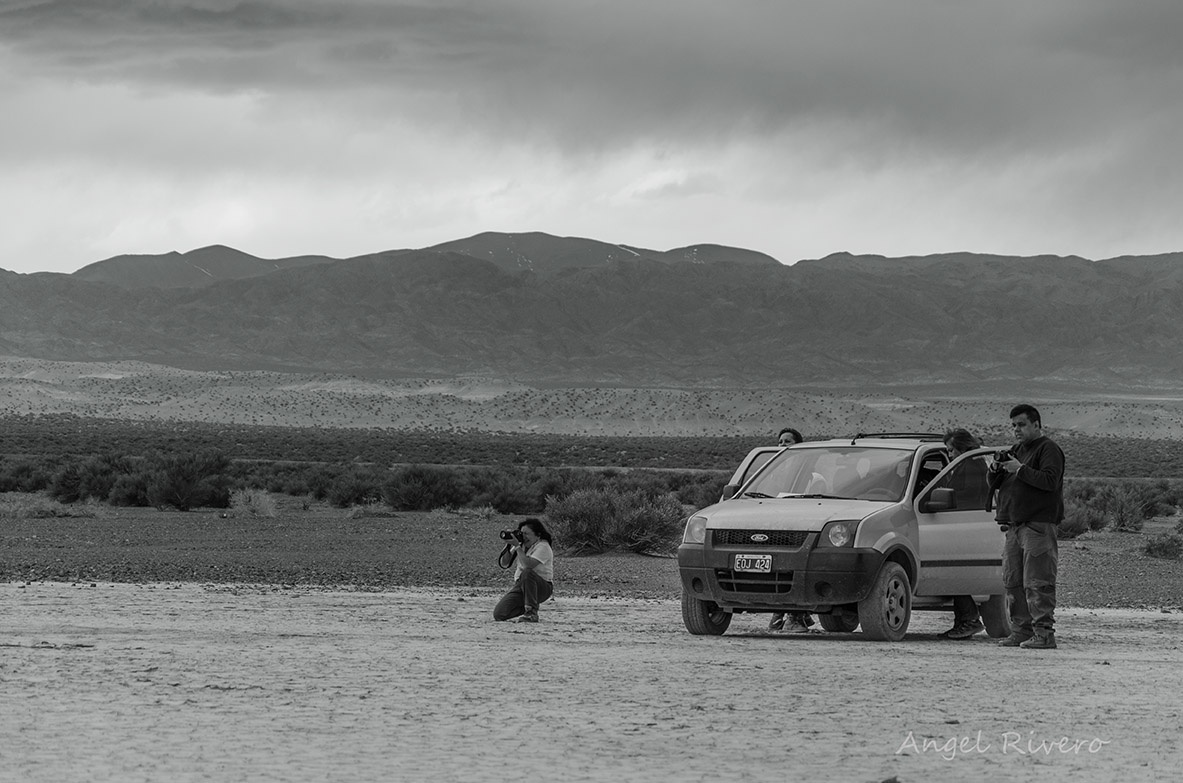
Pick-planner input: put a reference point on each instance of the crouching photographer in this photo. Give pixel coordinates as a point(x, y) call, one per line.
point(530, 547)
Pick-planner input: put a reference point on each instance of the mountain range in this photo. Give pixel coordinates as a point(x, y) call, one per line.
point(551, 310)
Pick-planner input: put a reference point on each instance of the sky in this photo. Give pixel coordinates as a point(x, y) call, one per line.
point(793, 128)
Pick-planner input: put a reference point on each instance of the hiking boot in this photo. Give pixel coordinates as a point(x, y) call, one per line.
point(529, 616)
point(777, 623)
point(1037, 642)
point(794, 624)
point(1014, 640)
point(964, 629)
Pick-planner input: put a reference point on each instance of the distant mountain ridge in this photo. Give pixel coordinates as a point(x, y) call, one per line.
point(533, 251)
point(541, 309)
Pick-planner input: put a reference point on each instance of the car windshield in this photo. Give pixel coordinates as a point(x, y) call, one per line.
point(843, 472)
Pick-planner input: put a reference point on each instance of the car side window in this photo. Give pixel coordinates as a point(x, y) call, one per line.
point(968, 479)
point(934, 462)
point(759, 461)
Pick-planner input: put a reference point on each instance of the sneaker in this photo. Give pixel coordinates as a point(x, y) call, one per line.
point(531, 616)
point(964, 629)
point(777, 623)
point(1014, 640)
point(794, 624)
point(1037, 642)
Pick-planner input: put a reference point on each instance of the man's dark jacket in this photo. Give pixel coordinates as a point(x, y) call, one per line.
point(1035, 493)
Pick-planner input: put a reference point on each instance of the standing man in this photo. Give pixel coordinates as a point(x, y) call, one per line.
point(790, 622)
point(1030, 482)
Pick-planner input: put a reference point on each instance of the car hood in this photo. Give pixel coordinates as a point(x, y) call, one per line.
point(785, 513)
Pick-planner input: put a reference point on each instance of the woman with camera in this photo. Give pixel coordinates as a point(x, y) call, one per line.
point(534, 576)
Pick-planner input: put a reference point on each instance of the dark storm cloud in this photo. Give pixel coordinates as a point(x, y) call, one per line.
point(792, 127)
point(954, 75)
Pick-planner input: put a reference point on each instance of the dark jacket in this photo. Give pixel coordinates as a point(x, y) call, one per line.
point(1035, 493)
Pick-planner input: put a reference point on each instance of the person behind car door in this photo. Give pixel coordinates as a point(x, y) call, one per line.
point(967, 621)
point(790, 622)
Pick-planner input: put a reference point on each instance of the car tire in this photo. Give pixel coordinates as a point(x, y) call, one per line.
point(704, 618)
point(995, 617)
point(839, 621)
point(885, 612)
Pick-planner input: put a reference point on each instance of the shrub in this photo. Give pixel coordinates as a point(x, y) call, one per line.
point(509, 491)
point(1168, 546)
point(353, 489)
point(130, 490)
point(65, 485)
point(186, 481)
point(26, 506)
point(595, 521)
point(1128, 505)
point(1078, 518)
point(253, 502)
point(423, 488)
point(25, 475)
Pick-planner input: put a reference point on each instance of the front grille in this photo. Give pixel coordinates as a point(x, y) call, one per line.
point(775, 583)
point(789, 539)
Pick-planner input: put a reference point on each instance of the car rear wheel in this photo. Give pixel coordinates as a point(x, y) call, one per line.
point(994, 616)
point(839, 621)
point(704, 618)
point(885, 612)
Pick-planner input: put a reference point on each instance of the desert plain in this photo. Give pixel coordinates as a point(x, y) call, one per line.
point(189, 682)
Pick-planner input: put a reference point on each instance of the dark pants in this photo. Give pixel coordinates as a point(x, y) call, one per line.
point(965, 609)
point(1029, 559)
point(527, 592)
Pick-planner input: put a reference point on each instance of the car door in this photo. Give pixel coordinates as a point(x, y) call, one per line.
point(751, 464)
point(960, 543)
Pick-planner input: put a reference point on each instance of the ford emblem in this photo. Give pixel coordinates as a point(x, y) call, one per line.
point(759, 537)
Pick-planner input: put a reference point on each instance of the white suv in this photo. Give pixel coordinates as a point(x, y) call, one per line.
point(860, 531)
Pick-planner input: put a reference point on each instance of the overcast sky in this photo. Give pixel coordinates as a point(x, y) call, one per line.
point(797, 128)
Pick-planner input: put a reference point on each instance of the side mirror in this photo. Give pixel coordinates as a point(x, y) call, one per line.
point(729, 491)
point(941, 499)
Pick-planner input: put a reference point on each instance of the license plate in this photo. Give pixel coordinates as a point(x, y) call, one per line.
point(760, 564)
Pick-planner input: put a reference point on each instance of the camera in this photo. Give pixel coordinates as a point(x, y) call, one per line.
point(1002, 456)
point(512, 533)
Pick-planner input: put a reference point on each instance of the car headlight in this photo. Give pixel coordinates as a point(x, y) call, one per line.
point(696, 530)
point(839, 533)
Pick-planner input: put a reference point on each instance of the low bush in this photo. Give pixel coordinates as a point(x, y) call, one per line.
point(29, 506)
point(594, 521)
point(423, 488)
point(1079, 517)
point(188, 480)
point(253, 503)
point(1168, 546)
point(354, 489)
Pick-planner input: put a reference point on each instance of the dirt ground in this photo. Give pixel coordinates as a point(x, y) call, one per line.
point(186, 682)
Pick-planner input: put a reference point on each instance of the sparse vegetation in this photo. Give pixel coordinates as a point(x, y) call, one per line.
point(1167, 546)
point(253, 503)
point(592, 521)
point(20, 505)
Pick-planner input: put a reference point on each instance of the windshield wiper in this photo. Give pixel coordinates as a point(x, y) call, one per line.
point(819, 495)
point(756, 495)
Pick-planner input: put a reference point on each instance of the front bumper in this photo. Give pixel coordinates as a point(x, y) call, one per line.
point(803, 579)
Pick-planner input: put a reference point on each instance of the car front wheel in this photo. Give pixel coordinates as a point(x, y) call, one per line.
point(704, 618)
point(885, 612)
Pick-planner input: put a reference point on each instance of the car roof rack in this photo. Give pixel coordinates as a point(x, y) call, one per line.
point(908, 435)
